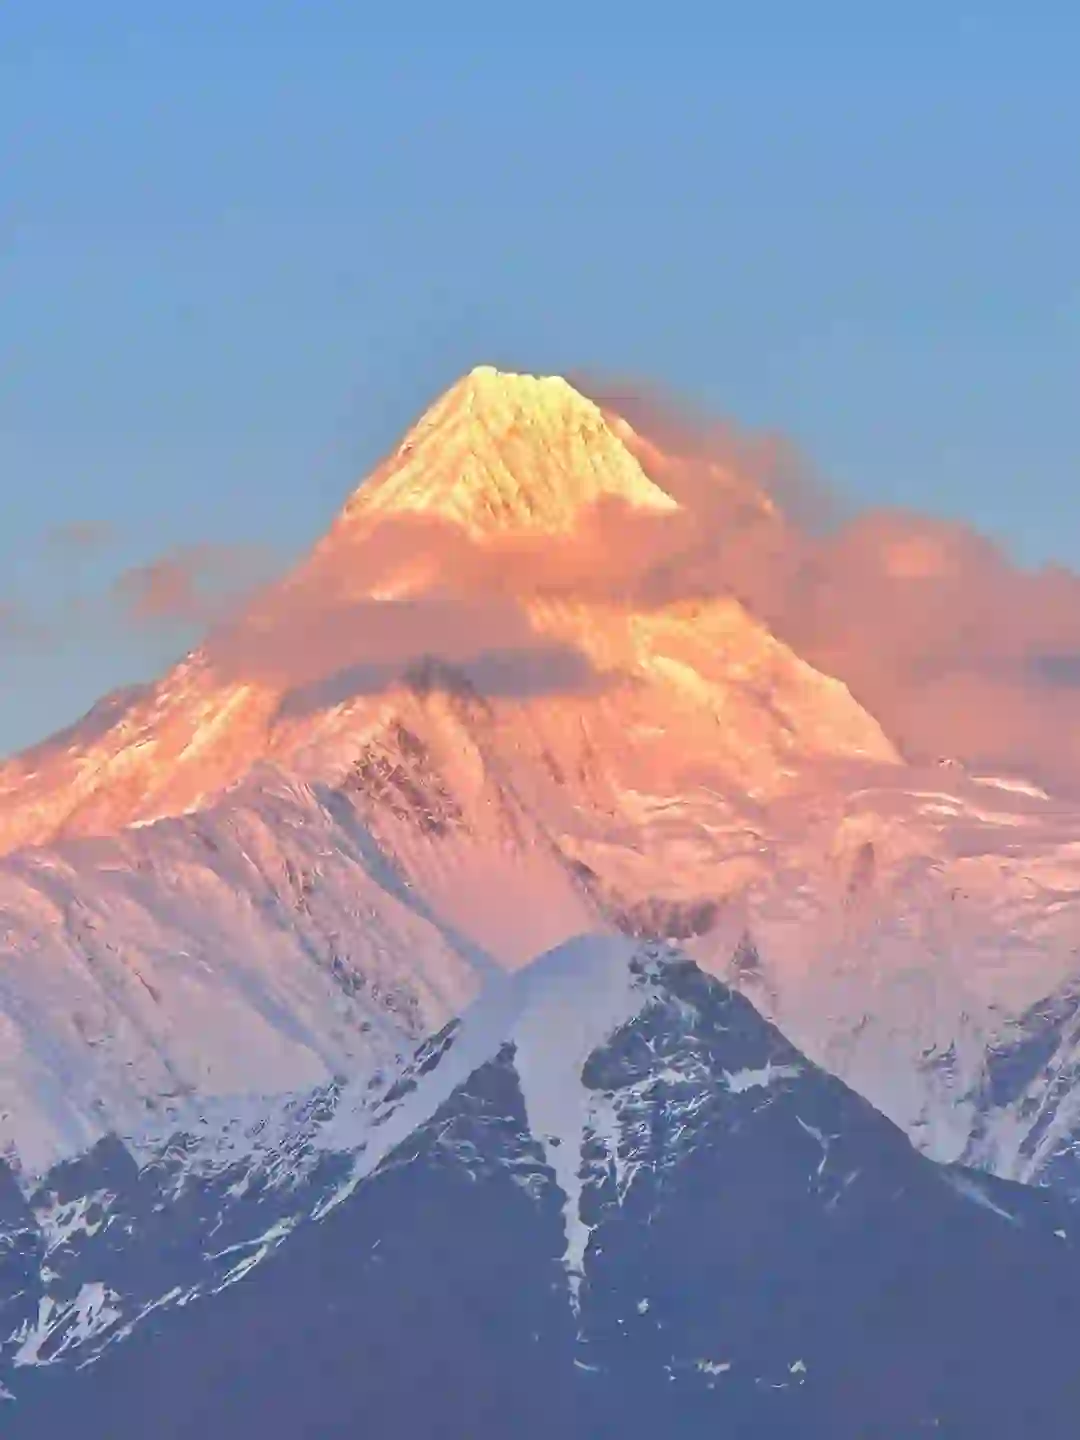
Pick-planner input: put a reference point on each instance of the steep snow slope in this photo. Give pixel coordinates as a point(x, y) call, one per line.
point(598, 759)
point(610, 1199)
point(263, 946)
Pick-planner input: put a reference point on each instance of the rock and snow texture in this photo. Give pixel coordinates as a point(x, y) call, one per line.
point(735, 1243)
point(258, 948)
point(1028, 1101)
point(246, 884)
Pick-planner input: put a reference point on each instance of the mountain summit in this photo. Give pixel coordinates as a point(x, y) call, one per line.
point(511, 453)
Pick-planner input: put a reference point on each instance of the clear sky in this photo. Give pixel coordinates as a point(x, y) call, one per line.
point(242, 244)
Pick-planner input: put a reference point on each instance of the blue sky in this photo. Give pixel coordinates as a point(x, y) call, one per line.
point(242, 245)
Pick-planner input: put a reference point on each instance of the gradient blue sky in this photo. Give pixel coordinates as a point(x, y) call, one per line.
point(242, 245)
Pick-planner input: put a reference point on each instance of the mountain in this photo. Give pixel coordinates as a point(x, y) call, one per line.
point(499, 706)
point(610, 1199)
point(503, 473)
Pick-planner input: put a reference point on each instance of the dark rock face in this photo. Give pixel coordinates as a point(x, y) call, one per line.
point(767, 1258)
point(431, 1302)
point(807, 1274)
point(102, 1236)
point(1030, 1085)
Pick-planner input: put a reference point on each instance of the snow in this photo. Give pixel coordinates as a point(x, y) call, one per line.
point(606, 1129)
point(714, 1367)
point(822, 1139)
point(253, 1251)
point(59, 1223)
point(76, 1321)
point(739, 1081)
point(969, 1187)
point(176, 971)
point(581, 993)
point(1014, 784)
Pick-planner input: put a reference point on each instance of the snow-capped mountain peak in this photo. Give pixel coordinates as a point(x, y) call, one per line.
point(494, 537)
point(455, 737)
point(506, 452)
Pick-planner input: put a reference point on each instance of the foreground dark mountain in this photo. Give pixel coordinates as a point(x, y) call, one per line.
point(613, 1201)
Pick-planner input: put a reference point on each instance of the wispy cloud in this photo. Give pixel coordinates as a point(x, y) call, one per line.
point(955, 649)
point(22, 629)
point(84, 535)
point(192, 585)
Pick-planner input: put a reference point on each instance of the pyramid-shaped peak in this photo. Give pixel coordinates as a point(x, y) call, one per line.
point(510, 452)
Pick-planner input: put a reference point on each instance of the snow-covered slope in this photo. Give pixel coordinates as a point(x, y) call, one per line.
point(297, 851)
point(610, 1199)
point(261, 947)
